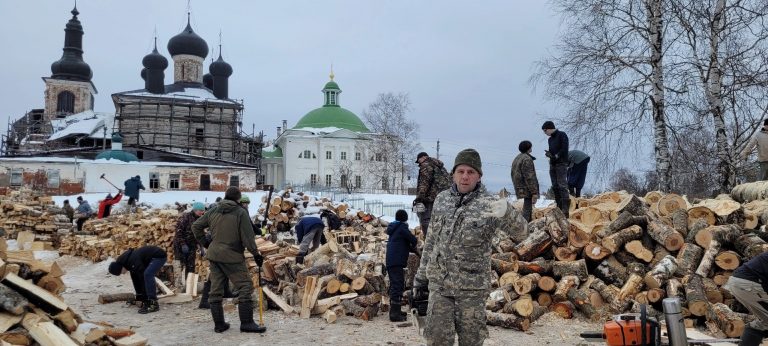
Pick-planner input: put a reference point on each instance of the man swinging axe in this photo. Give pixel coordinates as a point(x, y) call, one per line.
point(231, 234)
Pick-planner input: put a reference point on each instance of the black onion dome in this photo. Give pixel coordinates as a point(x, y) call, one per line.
point(144, 73)
point(220, 67)
point(155, 60)
point(188, 42)
point(208, 81)
point(71, 65)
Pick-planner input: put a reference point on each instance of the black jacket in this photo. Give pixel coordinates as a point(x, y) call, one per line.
point(755, 270)
point(401, 240)
point(558, 146)
point(137, 260)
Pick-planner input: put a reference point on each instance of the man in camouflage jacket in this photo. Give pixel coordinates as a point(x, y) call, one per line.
point(455, 264)
point(524, 179)
point(184, 243)
point(429, 184)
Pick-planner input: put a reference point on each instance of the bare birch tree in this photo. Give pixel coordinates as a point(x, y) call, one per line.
point(608, 73)
point(394, 139)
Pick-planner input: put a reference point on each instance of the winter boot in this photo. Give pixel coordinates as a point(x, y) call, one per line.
point(150, 305)
point(247, 325)
point(751, 337)
point(395, 315)
point(204, 297)
point(217, 311)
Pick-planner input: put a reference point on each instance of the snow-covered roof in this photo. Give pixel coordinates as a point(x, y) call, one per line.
point(323, 132)
point(87, 123)
point(187, 93)
point(112, 162)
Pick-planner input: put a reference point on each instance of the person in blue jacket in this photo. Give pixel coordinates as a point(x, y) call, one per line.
point(132, 187)
point(401, 242)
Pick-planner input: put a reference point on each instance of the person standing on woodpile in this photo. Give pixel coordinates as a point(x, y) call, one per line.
point(105, 206)
point(231, 234)
point(524, 178)
point(577, 171)
point(83, 212)
point(143, 263)
point(749, 285)
point(455, 263)
point(433, 178)
point(760, 140)
point(68, 210)
point(185, 244)
point(132, 187)
point(401, 241)
point(558, 165)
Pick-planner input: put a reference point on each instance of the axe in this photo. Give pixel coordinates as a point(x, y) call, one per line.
point(110, 183)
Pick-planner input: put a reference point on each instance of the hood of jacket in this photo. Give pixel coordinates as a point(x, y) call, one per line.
point(226, 206)
point(392, 227)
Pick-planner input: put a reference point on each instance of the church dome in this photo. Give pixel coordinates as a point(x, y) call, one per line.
point(331, 114)
point(119, 155)
point(220, 68)
point(155, 60)
point(188, 42)
point(71, 65)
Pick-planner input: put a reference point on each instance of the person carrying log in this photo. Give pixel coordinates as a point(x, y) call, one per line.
point(105, 206)
point(184, 243)
point(433, 178)
point(759, 140)
point(401, 241)
point(83, 212)
point(455, 264)
point(524, 178)
point(749, 285)
point(577, 171)
point(68, 210)
point(132, 187)
point(143, 263)
point(558, 165)
point(231, 234)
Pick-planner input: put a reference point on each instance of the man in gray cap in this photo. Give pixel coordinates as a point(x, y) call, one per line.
point(433, 179)
point(455, 263)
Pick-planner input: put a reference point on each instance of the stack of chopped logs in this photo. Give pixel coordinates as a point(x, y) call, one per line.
point(32, 311)
point(26, 210)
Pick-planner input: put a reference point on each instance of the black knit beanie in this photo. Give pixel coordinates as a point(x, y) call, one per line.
point(401, 215)
point(115, 268)
point(548, 125)
point(233, 194)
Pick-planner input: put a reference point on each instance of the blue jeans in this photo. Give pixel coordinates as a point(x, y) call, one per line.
point(149, 276)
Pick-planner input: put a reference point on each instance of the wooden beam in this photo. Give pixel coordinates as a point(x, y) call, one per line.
point(277, 300)
point(36, 295)
point(45, 332)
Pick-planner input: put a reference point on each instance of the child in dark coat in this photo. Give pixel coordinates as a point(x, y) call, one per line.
point(400, 242)
point(143, 264)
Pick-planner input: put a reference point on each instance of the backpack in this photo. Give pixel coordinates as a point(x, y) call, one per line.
point(441, 179)
point(334, 222)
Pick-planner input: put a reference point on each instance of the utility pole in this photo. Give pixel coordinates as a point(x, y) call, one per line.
point(438, 149)
point(402, 173)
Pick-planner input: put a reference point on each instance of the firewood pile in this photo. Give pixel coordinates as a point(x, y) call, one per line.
point(26, 210)
point(32, 310)
point(618, 251)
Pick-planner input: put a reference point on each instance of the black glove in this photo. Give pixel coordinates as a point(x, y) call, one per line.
point(549, 155)
point(259, 259)
point(207, 240)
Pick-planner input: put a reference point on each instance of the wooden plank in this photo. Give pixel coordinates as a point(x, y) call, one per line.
point(309, 288)
point(167, 291)
point(7, 321)
point(277, 300)
point(36, 295)
point(694, 334)
point(45, 332)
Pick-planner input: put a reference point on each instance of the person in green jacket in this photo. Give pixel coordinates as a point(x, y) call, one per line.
point(231, 234)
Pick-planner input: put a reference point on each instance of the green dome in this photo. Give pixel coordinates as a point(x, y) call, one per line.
point(332, 116)
point(331, 86)
point(272, 154)
point(117, 155)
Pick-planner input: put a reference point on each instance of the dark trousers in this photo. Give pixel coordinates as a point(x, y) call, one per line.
point(558, 173)
point(396, 284)
point(528, 208)
point(80, 222)
point(425, 216)
point(144, 282)
point(235, 272)
point(576, 176)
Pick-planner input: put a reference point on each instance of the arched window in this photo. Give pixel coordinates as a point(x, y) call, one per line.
point(65, 102)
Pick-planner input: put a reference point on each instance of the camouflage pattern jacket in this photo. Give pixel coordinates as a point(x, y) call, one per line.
point(524, 176)
point(184, 234)
point(462, 231)
point(427, 187)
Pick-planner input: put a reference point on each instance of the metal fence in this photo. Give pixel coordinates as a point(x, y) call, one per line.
point(355, 201)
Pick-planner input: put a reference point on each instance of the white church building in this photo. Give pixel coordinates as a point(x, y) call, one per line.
point(329, 148)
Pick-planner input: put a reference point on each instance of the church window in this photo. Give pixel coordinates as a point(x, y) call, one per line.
point(65, 102)
point(328, 180)
point(307, 154)
point(313, 179)
point(343, 155)
point(154, 180)
point(333, 98)
point(328, 155)
point(358, 156)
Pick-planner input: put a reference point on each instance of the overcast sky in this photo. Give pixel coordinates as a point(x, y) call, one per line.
point(464, 64)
